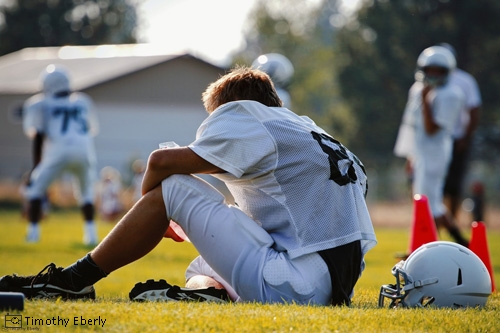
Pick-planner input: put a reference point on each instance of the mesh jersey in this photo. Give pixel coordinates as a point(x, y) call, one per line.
point(67, 122)
point(301, 185)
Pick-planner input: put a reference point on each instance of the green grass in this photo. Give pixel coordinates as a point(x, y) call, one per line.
point(61, 243)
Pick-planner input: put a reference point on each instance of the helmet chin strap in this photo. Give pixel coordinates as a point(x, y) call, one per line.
point(420, 283)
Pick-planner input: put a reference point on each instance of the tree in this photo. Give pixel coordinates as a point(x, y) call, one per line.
point(379, 51)
point(353, 72)
point(302, 32)
point(36, 23)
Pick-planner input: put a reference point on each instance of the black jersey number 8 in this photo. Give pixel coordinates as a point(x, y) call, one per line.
point(334, 157)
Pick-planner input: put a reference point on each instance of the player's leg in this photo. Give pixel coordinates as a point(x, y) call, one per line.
point(239, 250)
point(90, 228)
point(431, 183)
point(457, 172)
point(137, 233)
point(41, 178)
point(453, 183)
point(85, 173)
point(448, 222)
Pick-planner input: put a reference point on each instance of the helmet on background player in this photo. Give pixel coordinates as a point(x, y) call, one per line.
point(440, 274)
point(277, 66)
point(437, 57)
point(55, 79)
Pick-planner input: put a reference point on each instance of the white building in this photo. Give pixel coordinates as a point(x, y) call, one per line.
point(142, 97)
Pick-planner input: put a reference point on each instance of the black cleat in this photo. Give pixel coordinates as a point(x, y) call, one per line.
point(44, 285)
point(162, 291)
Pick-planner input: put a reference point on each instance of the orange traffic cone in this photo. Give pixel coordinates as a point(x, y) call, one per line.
point(479, 245)
point(423, 228)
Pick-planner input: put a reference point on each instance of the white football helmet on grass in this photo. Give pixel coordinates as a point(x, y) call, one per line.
point(440, 274)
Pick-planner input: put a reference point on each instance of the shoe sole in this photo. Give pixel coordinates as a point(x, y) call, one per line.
point(161, 291)
point(52, 292)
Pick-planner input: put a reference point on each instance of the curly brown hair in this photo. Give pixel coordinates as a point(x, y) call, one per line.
point(241, 83)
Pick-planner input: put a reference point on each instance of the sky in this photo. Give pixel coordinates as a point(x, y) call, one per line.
point(210, 28)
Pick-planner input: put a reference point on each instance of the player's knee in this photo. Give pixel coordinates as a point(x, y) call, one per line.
point(88, 211)
point(35, 209)
point(154, 196)
point(193, 186)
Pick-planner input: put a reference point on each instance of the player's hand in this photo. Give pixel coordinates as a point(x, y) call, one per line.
point(425, 91)
point(408, 168)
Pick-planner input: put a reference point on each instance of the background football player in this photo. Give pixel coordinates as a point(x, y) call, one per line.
point(61, 124)
point(425, 134)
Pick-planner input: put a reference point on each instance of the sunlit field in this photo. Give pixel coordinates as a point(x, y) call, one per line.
point(112, 311)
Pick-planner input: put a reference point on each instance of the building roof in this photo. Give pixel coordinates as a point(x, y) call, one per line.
point(88, 65)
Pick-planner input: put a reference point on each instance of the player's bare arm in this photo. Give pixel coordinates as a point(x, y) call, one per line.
point(37, 148)
point(431, 126)
point(169, 161)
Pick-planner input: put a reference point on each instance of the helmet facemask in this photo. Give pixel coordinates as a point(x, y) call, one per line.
point(434, 65)
point(405, 293)
point(433, 76)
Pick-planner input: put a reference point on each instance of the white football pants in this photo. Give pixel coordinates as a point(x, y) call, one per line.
point(55, 162)
point(239, 250)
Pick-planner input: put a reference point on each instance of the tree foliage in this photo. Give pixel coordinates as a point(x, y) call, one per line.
point(353, 72)
point(36, 23)
point(291, 28)
point(379, 52)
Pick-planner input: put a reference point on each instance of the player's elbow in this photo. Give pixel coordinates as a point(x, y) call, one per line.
point(155, 160)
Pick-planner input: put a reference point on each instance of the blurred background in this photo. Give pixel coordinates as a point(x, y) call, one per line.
point(354, 62)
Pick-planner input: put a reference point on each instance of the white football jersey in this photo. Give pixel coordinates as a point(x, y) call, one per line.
point(430, 153)
point(467, 83)
point(67, 122)
point(300, 184)
point(446, 104)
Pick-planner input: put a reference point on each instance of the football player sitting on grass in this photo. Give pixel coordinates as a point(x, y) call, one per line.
point(298, 233)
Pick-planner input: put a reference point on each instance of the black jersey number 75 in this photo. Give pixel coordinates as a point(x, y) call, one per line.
point(69, 115)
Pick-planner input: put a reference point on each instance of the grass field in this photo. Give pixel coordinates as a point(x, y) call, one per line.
point(113, 312)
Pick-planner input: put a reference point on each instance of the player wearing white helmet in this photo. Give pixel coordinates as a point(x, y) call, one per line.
point(425, 134)
point(439, 58)
point(438, 274)
point(299, 233)
point(61, 124)
point(464, 131)
point(280, 69)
